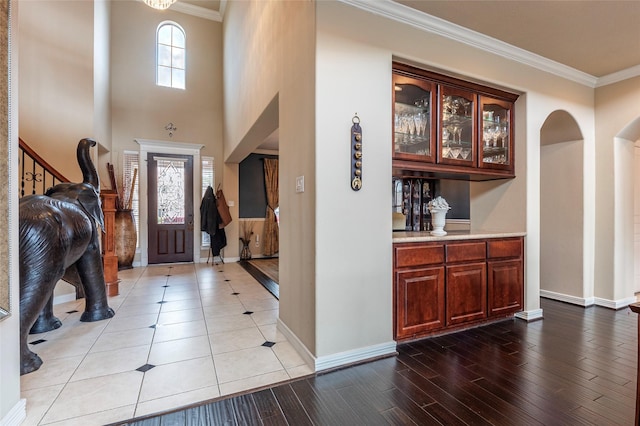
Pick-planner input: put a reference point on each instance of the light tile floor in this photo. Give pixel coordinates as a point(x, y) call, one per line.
point(207, 330)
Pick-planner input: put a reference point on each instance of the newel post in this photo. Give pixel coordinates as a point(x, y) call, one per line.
point(635, 307)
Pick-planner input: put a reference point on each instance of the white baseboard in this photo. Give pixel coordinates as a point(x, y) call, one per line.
point(17, 414)
point(588, 301)
point(355, 355)
point(339, 359)
point(64, 298)
point(529, 316)
point(615, 304)
point(300, 347)
point(561, 297)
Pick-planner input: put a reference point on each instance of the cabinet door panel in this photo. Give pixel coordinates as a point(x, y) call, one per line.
point(413, 118)
point(496, 134)
point(419, 301)
point(466, 293)
point(506, 287)
point(457, 128)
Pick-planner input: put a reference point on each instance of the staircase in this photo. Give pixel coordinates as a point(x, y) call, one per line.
point(36, 175)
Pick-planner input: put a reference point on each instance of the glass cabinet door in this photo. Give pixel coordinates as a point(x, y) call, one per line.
point(496, 132)
point(413, 132)
point(457, 127)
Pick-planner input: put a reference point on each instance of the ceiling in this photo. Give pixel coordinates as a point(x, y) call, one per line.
point(595, 37)
point(598, 38)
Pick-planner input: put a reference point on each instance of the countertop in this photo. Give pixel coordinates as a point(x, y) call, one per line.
point(418, 236)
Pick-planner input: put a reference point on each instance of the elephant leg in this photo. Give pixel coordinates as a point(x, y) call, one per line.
point(46, 321)
point(34, 295)
point(91, 274)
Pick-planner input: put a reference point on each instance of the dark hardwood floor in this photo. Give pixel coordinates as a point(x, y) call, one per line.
point(575, 367)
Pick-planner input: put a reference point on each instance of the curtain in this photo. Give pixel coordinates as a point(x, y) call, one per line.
point(270, 237)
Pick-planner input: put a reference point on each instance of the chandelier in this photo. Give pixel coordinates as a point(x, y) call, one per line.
point(159, 4)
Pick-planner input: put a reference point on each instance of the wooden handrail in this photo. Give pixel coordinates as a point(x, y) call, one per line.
point(635, 307)
point(34, 168)
point(26, 148)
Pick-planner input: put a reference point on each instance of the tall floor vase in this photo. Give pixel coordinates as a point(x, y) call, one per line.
point(126, 238)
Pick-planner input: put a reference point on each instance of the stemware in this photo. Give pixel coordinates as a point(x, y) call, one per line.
point(459, 132)
point(465, 153)
point(418, 119)
point(455, 152)
point(505, 136)
point(412, 126)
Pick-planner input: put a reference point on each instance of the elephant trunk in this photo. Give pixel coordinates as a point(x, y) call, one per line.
point(89, 174)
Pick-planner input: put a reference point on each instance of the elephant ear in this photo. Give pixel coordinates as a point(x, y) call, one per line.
point(89, 200)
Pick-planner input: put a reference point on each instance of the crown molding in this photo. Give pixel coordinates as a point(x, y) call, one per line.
point(422, 21)
point(619, 76)
point(201, 12)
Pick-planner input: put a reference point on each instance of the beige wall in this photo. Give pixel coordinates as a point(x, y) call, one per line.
point(354, 54)
point(507, 205)
point(56, 79)
point(269, 83)
point(561, 217)
point(140, 109)
point(617, 111)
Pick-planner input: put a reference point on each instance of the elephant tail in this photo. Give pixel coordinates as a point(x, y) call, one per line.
point(89, 174)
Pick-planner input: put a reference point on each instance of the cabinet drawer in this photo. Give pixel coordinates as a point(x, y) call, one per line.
point(417, 255)
point(462, 252)
point(504, 248)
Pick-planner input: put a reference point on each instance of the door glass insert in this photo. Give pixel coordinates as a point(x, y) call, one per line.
point(171, 184)
point(412, 120)
point(495, 134)
point(457, 128)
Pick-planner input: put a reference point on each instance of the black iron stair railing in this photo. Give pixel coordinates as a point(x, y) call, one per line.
point(36, 175)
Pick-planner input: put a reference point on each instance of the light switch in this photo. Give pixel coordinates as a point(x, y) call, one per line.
point(231, 203)
point(300, 184)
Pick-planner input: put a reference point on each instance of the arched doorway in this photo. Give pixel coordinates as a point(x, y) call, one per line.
point(562, 211)
point(626, 242)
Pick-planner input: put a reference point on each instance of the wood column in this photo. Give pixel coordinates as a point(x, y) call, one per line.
point(109, 258)
point(635, 307)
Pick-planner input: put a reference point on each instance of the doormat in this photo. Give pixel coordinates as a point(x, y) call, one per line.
point(265, 271)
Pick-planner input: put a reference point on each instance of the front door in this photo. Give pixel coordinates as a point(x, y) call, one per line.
point(170, 208)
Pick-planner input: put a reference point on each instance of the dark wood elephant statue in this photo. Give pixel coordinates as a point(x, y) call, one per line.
point(59, 237)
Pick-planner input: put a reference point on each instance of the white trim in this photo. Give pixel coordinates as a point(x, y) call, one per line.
point(355, 355)
point(167, 147)
point(535, 314)
point(300, 347)
point(16, 415)
point(200, 12)
point(338, 359)
point(561, 297)
point(64, 298)
point(406, 15)
point(588, 301)
point(619, 76)
point(615, 304)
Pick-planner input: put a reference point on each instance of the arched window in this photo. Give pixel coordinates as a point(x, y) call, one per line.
point(170, 55)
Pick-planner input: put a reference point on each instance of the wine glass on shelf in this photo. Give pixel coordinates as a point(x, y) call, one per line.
point(412, 126)
point(505, 136)
point(418, 118)
point(455, 152)
point(459, 132)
